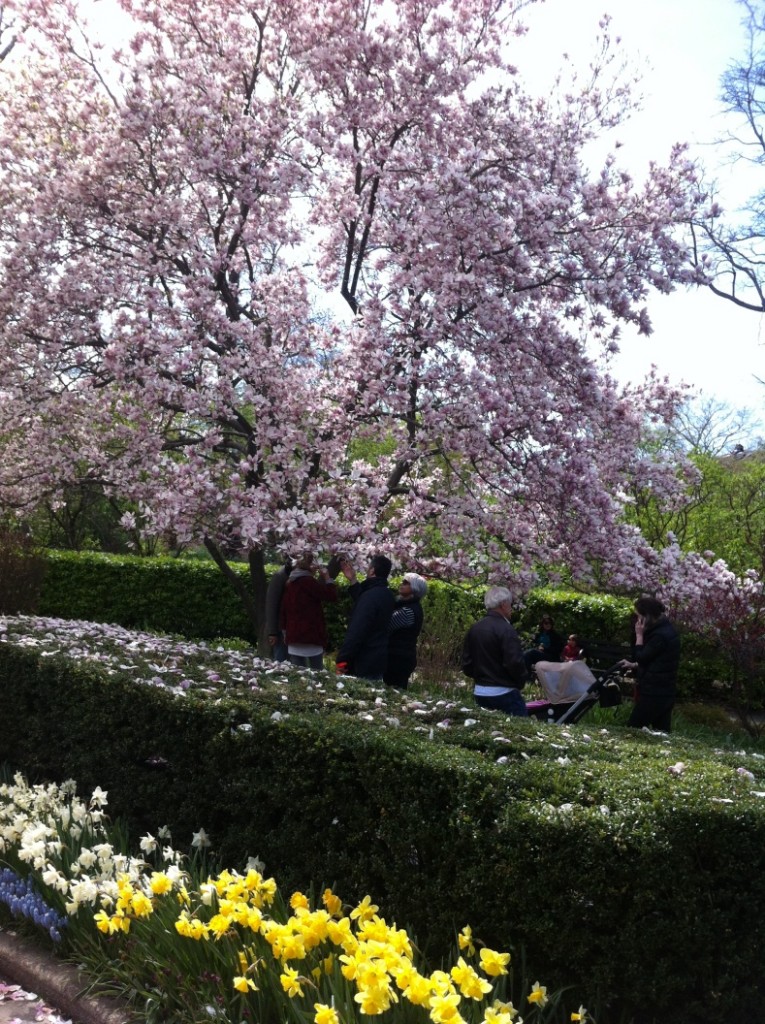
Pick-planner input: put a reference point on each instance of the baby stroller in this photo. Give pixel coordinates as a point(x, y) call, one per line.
point(571, 689)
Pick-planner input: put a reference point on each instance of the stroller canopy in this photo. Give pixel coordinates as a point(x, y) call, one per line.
point(564, 682)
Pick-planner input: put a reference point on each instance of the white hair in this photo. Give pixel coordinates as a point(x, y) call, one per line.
point(418, 584)
point(495, 596)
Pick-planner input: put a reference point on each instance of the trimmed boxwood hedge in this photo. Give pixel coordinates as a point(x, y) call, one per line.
point(191, 598)
point(638, 888)
point(167, 595)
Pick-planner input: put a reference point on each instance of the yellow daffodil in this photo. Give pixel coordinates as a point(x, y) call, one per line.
point(227, 907)
point(219, 925)
point(340, 934)
point(141, 905)
point(418, 990)
point(325, 1014)
point(293, 947)
point(266, 892)
point(190, 927)
point(254, 919)
point(365, 910)
point(494, 964)
point(500, 1013)
point(441, 982)
point(581, 1015)
point(467, 980)
point(443, 1009)
point(465, 940)
point(350, 966)
point(373, 1001)
point(298, 899)
point(103, 922)
point(333, 903)
point(242, 984)
point(159, 883)
point(538, 994)
point(236, 890)
point(314, 928)
point(290, 980)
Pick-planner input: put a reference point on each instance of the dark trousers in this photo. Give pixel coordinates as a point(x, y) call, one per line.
point(652, 713)
point(511, 703)
point(398, 671)
point(314, 661)
point(279, 650)
point(533, 656)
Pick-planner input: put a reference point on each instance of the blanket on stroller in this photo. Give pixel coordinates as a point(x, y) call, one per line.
point(563, 682)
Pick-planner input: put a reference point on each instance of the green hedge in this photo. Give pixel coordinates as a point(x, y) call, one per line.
point(617, 877)
point(193, 599)
point(168, 595)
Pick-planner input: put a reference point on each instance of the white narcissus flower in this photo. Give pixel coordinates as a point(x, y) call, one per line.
point(200, 840)
point(53, 878)
point(87, 858)
point(83, 891)
point(148, 843)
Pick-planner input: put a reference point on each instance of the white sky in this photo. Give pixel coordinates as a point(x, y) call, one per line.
point(681, 47)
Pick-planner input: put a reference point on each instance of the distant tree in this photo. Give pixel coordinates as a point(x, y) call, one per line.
point(710, 426)
point(175, 210)
point(729, 244)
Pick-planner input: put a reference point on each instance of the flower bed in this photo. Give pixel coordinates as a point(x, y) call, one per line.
point(243, 954)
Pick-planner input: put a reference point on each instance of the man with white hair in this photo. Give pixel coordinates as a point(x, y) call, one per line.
point(493, 658)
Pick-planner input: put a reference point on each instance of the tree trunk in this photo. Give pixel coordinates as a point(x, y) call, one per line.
point(253, 597)
point(259, 585)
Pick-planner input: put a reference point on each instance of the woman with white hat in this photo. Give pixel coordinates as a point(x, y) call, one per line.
point(405, 626)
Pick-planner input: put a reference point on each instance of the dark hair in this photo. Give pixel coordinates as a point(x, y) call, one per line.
point(381, 565)
point(649, 606)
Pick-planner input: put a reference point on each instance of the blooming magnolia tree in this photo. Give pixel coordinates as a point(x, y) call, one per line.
point(323, 274)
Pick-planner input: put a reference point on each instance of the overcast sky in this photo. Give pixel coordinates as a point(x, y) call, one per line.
point(681, 47)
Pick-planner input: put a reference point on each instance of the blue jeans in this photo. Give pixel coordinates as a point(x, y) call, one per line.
point(511, 703)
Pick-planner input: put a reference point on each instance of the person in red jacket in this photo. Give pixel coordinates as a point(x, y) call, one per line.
point(302, 612)
point(573, 649)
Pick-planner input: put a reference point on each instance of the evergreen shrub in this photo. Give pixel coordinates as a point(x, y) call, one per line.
point(192, 598)
point(168, 595)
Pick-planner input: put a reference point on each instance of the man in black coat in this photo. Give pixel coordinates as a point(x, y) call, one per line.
point(364, 651)
point(656, 657)
point(493, 658)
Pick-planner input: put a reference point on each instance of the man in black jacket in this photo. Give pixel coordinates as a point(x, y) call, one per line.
point(364, 651)
point(493, 658)
point(656, 656)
